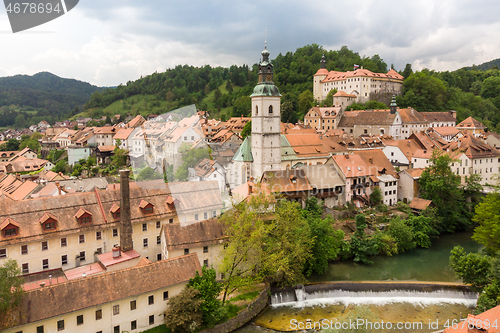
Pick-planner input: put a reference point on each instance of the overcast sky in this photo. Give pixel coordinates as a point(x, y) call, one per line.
point(108, 42)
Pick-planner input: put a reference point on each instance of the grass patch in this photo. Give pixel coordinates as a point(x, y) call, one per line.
point(158, 329)
point(245, 297)
point(232, 310)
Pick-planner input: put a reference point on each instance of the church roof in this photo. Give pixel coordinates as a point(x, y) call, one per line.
point(244, 153)
point(265, 89)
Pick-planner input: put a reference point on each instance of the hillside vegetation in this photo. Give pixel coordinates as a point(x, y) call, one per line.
point(26, 100)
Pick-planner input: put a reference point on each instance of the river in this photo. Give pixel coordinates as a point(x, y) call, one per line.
point(417, 265)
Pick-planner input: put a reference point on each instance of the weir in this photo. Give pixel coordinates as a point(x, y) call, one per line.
point(373, 293)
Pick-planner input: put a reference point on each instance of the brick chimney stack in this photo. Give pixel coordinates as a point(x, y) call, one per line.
point(125, 220)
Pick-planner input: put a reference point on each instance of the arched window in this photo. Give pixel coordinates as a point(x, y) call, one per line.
point(256, 110)
point(270, 109)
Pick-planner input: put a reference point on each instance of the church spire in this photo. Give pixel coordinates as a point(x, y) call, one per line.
point(265, 85)
point(323, 61)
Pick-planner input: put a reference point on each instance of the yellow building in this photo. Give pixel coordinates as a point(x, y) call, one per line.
point(131, 300)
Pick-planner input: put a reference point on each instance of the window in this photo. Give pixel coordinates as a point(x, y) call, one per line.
point(158, 240)
point(116, 310)
point(365, 131)
point(186, 251)
point(145, 242)
point(85, 220)
point(79, 320)
point(98, 314)
point(133, 305)
point(270, 109)
point(192, 138)
point(45, 263)
point(133, 325)
point(45, 246)
point(165, 295)
point(50, 226)
point(158, 224)
point(25, 269)
point(99, 250)
point(64, 242)
point(81, 239)
point(60, 325)
point(205, 249)
point(148, 210)
point(205, 215)
point(151, 299)
point(24, 249)
point(151, 319)
point(196, 217)
point(144, 227)
point(64, 260)
point(98, 235)
point(82, 256)
point(116, 329)
point(205, 262)
point(115, 232)
point(170, 220)
point(39, 329)
point(214, 213)
point(158, 257)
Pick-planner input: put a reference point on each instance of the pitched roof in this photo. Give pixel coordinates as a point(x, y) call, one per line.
point(482, 320)
point(244, 152)
point(123, 133)
point(325, 112)
point(377, 158)
point(410, 116)
point(322, 176)
point(446, 130)
point(420, 204)
point(203, 233)
point(367, 117)
point(470, 123)
point(195, 196)
point(310, 145)
point(439, 117)
point(334, 75)
point(52, 300)
point(471, 146)
point(294, 180)
point(415, 173)
point(353, 166)
point(343, 94)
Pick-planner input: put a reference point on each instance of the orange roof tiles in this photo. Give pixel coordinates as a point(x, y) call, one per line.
point(107, 258)
point(470, 123)
point(415, 172)
point(353, 166)
point(420, 204)
point(471, 146)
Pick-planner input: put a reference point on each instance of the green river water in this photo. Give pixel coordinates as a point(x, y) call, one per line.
point(418, 265)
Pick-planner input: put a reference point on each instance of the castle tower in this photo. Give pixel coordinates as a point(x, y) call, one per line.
point(320, 75)
point(266, 121)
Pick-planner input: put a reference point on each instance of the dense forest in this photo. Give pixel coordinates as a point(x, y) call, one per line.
point(26, 100)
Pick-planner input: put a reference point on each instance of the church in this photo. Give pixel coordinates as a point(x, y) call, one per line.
point(267, 148)
point(260, 151)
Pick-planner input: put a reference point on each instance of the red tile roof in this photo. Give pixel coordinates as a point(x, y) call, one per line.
point(107, 258)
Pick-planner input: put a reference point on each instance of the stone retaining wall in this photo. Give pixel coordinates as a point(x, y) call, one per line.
point(244, 316)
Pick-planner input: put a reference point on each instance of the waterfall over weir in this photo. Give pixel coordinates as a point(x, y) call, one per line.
point(373, 293)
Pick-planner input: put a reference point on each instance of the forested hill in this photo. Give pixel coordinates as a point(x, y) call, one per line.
point(495, 64)
point(40, 96)
point(225, 91)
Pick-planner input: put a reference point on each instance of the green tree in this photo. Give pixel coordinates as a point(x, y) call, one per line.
point(327, 242)
point(386, 244)
point(288, 114)
point(490, 87)
point(119, 158)
point(423, 229)
point(424, 92)
point(190, 158)
point(11, 145)
point(243, 252)
point(402, 233)
point(328, 101)
point(439, 184)
point(209, 289)
point(184, 312)
point(60, 166)
point(376, 196)
point(488, 219)
point(407, 71)
point(148, 173)
point(11, 289)
point(361, 246)
point(247, 130)
point(306, 99)
point(472, 268)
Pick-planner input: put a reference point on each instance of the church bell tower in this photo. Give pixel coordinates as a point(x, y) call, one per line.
point(266, 121)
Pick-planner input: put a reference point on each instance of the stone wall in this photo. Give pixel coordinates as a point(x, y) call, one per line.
point(244, 316)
